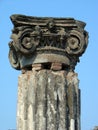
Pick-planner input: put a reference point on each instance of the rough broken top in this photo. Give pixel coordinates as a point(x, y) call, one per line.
point(45, 40)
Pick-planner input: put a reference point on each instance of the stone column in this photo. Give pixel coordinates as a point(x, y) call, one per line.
point(95, 128)
point(47, 50)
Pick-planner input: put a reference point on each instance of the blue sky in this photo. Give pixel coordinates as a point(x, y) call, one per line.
point(85, 10)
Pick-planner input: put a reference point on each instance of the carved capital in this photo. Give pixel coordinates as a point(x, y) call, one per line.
point(40, 40)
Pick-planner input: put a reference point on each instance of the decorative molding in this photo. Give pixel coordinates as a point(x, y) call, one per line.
point(43, 40)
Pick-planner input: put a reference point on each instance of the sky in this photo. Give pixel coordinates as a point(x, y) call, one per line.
point(84, 10)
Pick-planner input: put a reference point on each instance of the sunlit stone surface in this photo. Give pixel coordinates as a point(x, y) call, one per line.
point(47, 50)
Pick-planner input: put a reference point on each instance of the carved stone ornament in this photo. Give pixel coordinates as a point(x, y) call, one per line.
point(46, 40)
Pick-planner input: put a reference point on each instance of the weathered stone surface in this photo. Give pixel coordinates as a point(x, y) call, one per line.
point(73, 101)
point(37, 40)
point(96, 128)
point(48, 100)
point(47, 51)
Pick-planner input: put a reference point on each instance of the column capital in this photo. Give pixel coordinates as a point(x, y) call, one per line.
point(46, 40)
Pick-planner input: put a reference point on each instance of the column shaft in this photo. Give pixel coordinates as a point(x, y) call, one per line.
point(48, 100)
